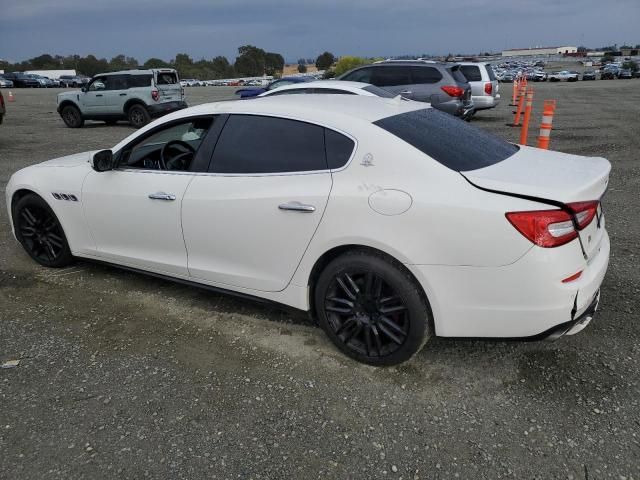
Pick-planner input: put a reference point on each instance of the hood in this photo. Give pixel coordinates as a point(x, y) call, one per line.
point(74, 160)
point(545, 174)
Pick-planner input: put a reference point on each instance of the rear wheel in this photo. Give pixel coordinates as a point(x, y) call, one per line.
point(371, 309)
point(72, 116)
point(40, 233)
point(138, 116)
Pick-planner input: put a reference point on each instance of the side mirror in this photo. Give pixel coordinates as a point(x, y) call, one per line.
point(103, 161)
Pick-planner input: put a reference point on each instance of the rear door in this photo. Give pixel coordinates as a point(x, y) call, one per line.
point(425, 83)
point(249, 221)
point(168, 85)
point(394, 78)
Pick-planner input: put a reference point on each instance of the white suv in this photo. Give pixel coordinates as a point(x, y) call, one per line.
point(484, 84)
point(133, 95)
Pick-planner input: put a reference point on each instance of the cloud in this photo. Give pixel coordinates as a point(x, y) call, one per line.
point(303, 28)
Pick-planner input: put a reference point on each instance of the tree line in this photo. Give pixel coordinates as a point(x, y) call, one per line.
point(250, 62)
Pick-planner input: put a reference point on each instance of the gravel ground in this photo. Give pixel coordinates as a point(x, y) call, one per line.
point(125, 376)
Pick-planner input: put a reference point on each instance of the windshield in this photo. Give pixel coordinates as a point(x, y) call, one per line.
point(448, 140)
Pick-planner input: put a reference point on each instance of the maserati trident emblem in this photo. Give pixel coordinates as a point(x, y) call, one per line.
point(367, 160)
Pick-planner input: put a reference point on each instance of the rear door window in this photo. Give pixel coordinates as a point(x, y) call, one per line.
point(390, 76)
point(252, 144)
point(471, 73)
point(450, 141)
point(422, 75)
point(138, 81)
point(362, 75)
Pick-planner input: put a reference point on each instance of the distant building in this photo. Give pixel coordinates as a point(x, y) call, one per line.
point(629, 52)
point(53, 74)
point(523, 52)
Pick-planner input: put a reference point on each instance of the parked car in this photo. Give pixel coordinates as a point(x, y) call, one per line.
point(563, 75)
point(3, 109)
point(20, 80)
point(354, 211)
point(255, 91)
point(43, 81)
point(588, 75)
point(625, 73)
point(440, 84)
point(5, 83)
point(483, 82)
point(74, 81)
point(608, 74)
point(133, 95)
point(330, 87)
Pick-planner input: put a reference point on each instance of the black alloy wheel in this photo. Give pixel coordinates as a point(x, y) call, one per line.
point(371, 309)
point(40, 233)
point(138, 116)
point(72, 117)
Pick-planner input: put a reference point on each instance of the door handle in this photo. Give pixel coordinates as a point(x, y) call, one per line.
point(406, 92)
point(297, 207)
point(123, 94)
point(98, 94)
point(162, 196)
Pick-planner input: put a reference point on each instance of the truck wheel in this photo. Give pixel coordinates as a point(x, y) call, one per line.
point(72, 116)
point(138, 116)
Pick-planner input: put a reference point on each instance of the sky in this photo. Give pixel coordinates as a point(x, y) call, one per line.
point(304, 29)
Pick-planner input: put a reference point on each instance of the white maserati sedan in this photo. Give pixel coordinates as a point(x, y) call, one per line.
point(389, 221)
point(328, 87)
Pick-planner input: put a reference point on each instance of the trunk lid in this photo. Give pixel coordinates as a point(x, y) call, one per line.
point(549, 175)
point(546, 174)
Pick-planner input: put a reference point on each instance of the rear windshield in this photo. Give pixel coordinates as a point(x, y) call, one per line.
point(450, 141)
point(471, 73)
point(167, 78)
point(380, 92)
point(457, 74)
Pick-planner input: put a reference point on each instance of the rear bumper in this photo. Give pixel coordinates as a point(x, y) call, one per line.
point(524, 299)
point(157, 110)
point(482, 102)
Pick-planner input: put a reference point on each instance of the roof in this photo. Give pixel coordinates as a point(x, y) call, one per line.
point(144, 71)
point(340, 84)
point(337, 111)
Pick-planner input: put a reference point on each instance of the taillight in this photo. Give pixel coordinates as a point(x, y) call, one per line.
point(155, 94)
point(488, 88)
point(453, 91)
point(552, 228)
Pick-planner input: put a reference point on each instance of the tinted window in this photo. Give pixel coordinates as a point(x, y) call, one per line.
point(490, 72)
point(116, 82)
point(425, 75)
point(330, 91)
point(453, 142)
point(254, 144)
point(362, 75)
point(378, 91)
point(390, 76)
point(471, 73)
point(339, 148)
point(457, 74)
point(136, 81)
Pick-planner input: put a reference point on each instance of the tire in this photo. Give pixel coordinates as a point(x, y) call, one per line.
point(362, 297)
point(138, 115)
point(40, 233)
point(72, 116)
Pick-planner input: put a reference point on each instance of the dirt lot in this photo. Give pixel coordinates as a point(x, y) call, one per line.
point(125, 376)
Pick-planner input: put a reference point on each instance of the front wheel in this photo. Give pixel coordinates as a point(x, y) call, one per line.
point(372, 309)
point(72, 117)
point(138, 116)
point(40, 233)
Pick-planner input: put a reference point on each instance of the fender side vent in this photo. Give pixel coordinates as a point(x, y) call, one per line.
point(70, 197)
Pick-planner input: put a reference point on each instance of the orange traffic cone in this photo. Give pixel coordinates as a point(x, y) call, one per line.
point(545, 126)
point(524, 131)
point(11, 98)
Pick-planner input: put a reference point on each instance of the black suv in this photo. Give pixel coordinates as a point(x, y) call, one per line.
point(20, 80)
point(441, 84)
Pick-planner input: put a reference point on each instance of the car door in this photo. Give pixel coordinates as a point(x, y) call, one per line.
point(92, 99)
point(394, 78)
point(133, 211)
point(115, 94)
point(249, 221)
